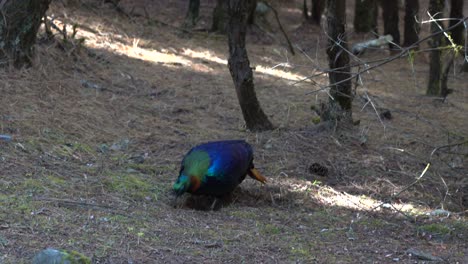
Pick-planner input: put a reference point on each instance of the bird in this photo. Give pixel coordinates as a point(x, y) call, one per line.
point(216, 168)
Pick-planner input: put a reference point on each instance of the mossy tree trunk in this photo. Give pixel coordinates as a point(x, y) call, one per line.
point(340, 104)
point(391, 21)
point(411, 34)
point(19, 23)
point(192, 13)
point(220, 17)
point(239, 66)
point(436, 66)
point(365, 16)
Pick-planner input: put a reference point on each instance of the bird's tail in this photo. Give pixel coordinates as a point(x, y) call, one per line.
point(254, 173)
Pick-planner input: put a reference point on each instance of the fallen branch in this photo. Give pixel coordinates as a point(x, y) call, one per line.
point(78, 203)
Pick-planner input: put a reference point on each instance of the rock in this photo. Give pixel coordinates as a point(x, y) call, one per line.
point(90, 85)
point(55, 256)
point(6, 138)
point(359, 48)
point(422, 255)
point(440, 212)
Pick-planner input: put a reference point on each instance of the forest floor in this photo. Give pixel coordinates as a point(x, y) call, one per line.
point(99, 129)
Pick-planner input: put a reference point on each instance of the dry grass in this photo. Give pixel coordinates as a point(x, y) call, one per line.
point(99, 132)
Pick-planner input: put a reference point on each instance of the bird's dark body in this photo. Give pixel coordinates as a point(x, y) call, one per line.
point(215, 168)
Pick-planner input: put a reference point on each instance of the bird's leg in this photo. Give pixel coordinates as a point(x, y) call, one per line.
point(214, 203)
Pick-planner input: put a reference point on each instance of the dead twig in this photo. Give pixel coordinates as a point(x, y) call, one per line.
point(402, 53)
point(281, 27)
point(447, 146)
point(403, 190)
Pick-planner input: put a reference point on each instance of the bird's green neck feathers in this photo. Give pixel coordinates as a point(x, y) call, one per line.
point(195, 166)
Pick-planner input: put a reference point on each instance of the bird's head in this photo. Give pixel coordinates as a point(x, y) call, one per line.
point(192, 170)
point(181, 185)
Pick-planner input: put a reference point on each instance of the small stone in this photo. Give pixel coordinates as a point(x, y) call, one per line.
point(54, 256)
point(6, 138)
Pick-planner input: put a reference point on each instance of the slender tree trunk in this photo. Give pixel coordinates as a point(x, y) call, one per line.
point(251, 18)
point(340, 105)
point(317, 9)
point(19, 23)
point(239, 66)
point(435, 67)
point(365, 16)
point(192, 13)
point(456, 11)
point(411, 25)
point(305, 11)
point(220, 17)
point(391, 20)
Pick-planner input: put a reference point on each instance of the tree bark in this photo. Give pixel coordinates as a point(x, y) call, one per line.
point(305, 11)
point(192, 13)
point(317, 9)
point(365, 16)
point(19, 24)
point(456, 11)
point(220, 17)
point(251, 17)
point(340, 104)
point(239, 66)
point(435, 66)
point(391, 20)
point(412, 27)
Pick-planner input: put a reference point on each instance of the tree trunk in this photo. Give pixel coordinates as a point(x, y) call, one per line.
point(305, 11)
point(365, 16)
point(220, 17)
point(411, 25)
point(317, 9)
point(239, 66)
point(434, 87)
point(340, 104)
point(19, 23)
point(391, 20)
point(251, 17)
point(192, 13)
point(456, 11)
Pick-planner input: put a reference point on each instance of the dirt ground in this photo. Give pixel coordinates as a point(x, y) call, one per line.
point(99, 128)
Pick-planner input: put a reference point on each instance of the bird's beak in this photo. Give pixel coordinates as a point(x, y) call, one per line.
point(178, 192)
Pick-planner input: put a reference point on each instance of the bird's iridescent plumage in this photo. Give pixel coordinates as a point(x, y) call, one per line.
point(216, 168)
